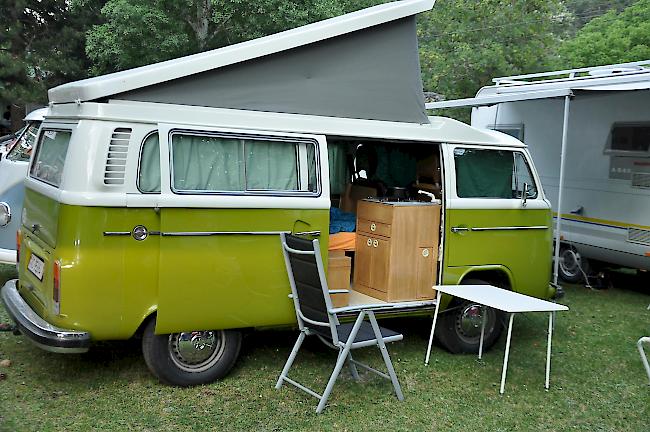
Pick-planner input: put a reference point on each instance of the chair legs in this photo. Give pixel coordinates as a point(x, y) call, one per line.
point(343, 357)
point(292, 357)
point(384, 354)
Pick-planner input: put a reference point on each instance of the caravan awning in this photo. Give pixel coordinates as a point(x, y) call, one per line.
point(499, 98)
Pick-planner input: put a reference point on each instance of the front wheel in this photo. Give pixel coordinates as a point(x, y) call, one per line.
point(190, 358)
point(459, 327)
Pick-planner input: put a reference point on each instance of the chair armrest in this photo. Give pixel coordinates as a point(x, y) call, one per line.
point(339, 291)
point(383, 306)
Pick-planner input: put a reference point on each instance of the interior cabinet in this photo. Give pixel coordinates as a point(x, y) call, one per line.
point(396, 250)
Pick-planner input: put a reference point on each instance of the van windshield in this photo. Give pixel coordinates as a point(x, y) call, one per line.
point(50, 156)
point(22, 150)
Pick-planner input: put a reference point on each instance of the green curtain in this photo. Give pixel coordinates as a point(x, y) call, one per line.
point(271, 165)
point(483, 173)
point(208, 163)
point(50, 159)
point(395, 167)
point(149, 176)
point(205, 163)
point(339, 177)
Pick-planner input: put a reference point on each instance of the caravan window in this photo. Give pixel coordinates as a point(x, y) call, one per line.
point(492, 174)
point(514, 130)
point(241, 164)
point(629, 138)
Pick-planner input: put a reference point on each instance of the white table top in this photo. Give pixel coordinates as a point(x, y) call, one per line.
point(499, 298)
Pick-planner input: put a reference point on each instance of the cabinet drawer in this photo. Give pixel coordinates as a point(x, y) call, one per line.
point(374, 228)
point(373, 211)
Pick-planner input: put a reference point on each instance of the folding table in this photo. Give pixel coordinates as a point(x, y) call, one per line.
point(504, 300)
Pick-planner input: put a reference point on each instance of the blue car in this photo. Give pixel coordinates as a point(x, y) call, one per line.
point(13, 169)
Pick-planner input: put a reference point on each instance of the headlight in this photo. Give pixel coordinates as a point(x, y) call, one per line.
point(5, 214)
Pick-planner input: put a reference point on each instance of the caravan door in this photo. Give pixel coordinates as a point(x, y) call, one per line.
point(228, 196)
point(491, 224)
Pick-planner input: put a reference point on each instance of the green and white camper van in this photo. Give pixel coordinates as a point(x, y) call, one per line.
point(155, 196)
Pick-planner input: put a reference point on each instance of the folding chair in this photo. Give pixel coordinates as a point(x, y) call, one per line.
point(644, 358)
point(316, 316)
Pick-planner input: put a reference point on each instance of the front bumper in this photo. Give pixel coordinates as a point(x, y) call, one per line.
point(39, 331)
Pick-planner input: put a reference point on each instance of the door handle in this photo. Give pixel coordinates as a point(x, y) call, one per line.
point(459, 229)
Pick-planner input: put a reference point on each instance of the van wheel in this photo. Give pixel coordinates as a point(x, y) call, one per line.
point(459, 327)
point(571, 264)
point(190, 358)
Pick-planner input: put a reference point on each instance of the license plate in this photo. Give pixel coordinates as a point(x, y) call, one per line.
point(36, 265)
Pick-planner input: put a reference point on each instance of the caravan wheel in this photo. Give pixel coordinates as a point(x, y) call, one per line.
point(571, 264)
point(190, 358)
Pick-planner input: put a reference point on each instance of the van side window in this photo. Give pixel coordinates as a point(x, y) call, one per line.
point(149, 175)
point(492, 174)
point(23, 148)
point(50, 156)
point(216, 163)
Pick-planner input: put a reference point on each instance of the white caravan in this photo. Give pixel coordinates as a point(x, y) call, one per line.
point(595, 122)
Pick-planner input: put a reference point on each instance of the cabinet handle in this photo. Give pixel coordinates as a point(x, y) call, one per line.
point(369, 242)
point(373, 227)
point(375, 243)
point(425, 253)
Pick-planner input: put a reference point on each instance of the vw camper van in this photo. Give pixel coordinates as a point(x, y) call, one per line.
point(156, 197)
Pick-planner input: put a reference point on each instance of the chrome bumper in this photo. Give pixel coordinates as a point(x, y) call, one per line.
point(39, 331)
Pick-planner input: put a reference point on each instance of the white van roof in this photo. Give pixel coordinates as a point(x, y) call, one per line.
point(360, 65)
point(36, 115)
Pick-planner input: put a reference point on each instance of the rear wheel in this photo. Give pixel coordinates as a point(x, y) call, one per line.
point(459, 327)
point(190, 358)
point(572, 266)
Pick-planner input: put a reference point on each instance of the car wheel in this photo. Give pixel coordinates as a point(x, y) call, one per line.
point(572, 265)
point(190, 358)
point(459, 327)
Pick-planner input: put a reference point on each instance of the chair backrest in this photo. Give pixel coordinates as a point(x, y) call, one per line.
point(308, 282)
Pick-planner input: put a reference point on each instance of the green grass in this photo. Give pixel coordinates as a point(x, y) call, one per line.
point(597, 381)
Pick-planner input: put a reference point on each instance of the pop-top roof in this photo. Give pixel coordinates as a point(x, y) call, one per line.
point(360, 65)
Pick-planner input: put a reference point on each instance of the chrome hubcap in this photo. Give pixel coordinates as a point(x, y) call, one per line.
point(570, 262)
point(470, 321)
point(196, 351)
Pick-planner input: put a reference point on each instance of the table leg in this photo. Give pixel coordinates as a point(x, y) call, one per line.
point(433, 327)
point(480, 345)
point(548, 349)
point(507, 353)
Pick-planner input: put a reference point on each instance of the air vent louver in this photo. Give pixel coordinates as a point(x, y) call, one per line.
point(641, 180)
point(116, 159)
point(636, 235)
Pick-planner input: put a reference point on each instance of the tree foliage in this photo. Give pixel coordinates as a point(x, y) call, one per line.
point(42, 46)
point(465, 43)
point(614, 37)
point(139, 32)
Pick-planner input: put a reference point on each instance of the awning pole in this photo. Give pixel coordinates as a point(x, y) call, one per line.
point(558, 209)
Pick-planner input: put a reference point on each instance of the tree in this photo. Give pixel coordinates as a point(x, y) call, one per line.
point(465, 43)
point(585, 10)
point(139, 32)
point(42, 46)
point(615, 37)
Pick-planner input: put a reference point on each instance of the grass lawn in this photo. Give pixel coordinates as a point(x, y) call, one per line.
point(597, 381)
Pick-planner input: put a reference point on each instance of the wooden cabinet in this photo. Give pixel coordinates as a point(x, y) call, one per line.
point(397, 250)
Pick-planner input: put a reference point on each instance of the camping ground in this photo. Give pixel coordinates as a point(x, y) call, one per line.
point(597, 380)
